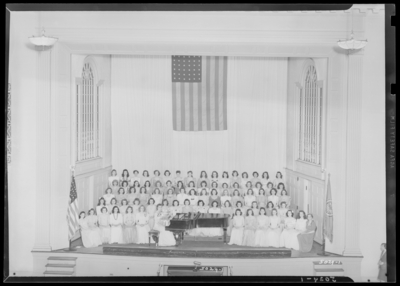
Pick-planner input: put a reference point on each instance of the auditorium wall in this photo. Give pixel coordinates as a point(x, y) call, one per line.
point(142, 134)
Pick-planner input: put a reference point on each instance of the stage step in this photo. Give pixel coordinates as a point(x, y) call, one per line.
point(61, 260)
point(331, 269)
point(59, 273)
point(59, 266)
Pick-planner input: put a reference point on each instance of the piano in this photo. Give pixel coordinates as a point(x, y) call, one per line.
point(182, 222)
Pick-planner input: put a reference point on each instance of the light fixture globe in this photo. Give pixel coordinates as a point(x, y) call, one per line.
point(352, 44)
point(43, 40)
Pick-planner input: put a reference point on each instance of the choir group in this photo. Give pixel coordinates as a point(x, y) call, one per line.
point(259, 209)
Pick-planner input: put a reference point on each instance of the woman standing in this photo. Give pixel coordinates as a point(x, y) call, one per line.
point(214, 231)
point(235, 179)
point(131, 196)
point(143, 196)
point(236, 197)
point(274, 230)
point(193, 198)
point(182, 197)
point(237, 228)
point(124, 205)
point(104, 225)
point(124, 176)
point(157, 196)
point(249, 198)
point(264, 179)
point(165, 237)
point(92, 222)
point(270, 207)
point(108, 196)
point(101, 205)
point(250, 226)
point(288, 230)
point(225, 179)
point(142, 225)
point(170, 197)
point(254, 208)
point(245, 179)
point(214, 177)
point(262, 198)
point(273, 197)
point(115, 187)
point(284, 198)
point(282, 212)
point(165, 206)
point(262, 227)
point(204, 196)
point(382, 276)
point(85, 232)
point(151, 209)
point(129, 229)
point(189, 178)
point(116, 223)
point(135, 178)
point(136, 205)
point(278, 179)
point(120, 196)
point(175, 208)
point(225, 197)
point(112, 205)
point(186, 207)
point(156, 178)
point(113, 177)
point(306, 238)
point(203, 178)
point(255, 178)
point(227, 209)
point(214, 198)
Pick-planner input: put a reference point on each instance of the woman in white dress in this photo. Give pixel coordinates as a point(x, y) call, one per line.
point(262, 227)
point(235, 186)
point(274, 230)
point(108, 196)
point(282, 212)
point(225, 197)
point(87, 237)
point(168, 186)
point(170, 197)
point(189, 178)
point(225, 179)
point(123, 207)
point(250, 226)
point(129, 229)
point(221, 190)
point(120, 196)
point(165, 205)
point(124, 176)
point(95, 233)
point(237, 228)
point(245, 179)
point(125, 186)
point(175, 208)
point(236, 197)
point(116, 222)
point(178, 178)
point(167, 177)
point(151, 209)
point(278, 179)
point(204, 196)
point(115, 187)
point(214, 231)
point(145, 176)
point(113, 177)
point(202, 186)
point(257, 188)
point(280, 188)
point(262, 199)
point(214, 185)
point(143, 196)
point(228, 210)
point(156, 185)
point(136, 205)
point(157, 196)
point(264, 179)
point(273, 197)
point(200, 208)
point(289, 232)
point(165, 237)
point(243, 209)
point(270, 186)
point(255, 178)
point(249, 198)
point(300, 227)
point(100, 205)
point(112, 205)
point(187, 208)
point(193, 198)
point(235, 179)
point(142, 225)
point(182, 197)
point(203, 178)
point(131, 195)
point(134, 178)
point(254, 207)
point(284, 198)
point(214, 177)
point(104, 225)
point(156, 178)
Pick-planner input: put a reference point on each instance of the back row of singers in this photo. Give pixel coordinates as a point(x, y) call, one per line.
point(203, 194)
point(242, 181)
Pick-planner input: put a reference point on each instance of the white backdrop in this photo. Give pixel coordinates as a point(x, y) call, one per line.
point(141, 111)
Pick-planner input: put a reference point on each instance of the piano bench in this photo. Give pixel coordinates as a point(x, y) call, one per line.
point(154, 234)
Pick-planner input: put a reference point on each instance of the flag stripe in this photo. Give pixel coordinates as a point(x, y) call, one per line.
point(182, 92)
point(174, 105)
point(72, 211)
point(224, 94)
point(200, 110)
point(207, 81)
point(178, 106)
point(217, 95)
point(187, 105)
point(220, 93)
point(212, 93)
point(191, 114)
point(195, 107)
point(204, 97)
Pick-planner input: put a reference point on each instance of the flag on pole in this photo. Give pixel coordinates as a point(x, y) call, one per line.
point(328, 215)
point(199, 93)
point(73, 208)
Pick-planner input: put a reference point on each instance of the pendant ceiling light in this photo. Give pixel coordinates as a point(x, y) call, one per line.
point(43, 40)
point(352, 44)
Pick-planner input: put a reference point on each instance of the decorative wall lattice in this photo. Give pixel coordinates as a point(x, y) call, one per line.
point(9, 125)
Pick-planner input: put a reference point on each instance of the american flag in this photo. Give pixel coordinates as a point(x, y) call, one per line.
point(199, 93)
point(72, 213)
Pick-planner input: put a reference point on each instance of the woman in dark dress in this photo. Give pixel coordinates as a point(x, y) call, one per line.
point(306, 238)
point(382, 264)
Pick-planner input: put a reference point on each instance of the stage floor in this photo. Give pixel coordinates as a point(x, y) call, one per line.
point(197, 249)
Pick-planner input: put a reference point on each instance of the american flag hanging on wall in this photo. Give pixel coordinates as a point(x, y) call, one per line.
point(199, 93)
point(73, 209)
